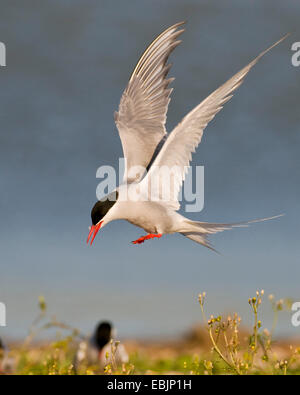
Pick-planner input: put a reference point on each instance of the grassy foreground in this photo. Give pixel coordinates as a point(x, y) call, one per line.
point(220, 346)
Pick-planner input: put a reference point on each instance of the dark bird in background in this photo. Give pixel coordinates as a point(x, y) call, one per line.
point(97, 350)
point(7, 362)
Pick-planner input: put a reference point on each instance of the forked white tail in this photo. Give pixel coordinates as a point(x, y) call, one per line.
point(199, 231)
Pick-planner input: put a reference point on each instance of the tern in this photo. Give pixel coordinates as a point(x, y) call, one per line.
point(7, 361)
point(147, 148)
point(98, 349)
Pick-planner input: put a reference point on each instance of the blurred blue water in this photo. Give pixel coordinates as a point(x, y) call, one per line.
point(67, 65)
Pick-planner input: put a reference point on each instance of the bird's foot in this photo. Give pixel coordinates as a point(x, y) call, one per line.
point(147, 237)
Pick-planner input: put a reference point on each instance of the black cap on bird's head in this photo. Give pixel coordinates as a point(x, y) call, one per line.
point(103, 334)
point(99, 211)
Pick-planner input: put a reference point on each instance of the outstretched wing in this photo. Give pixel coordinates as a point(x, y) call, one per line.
point(142, 111)
point(176, 153)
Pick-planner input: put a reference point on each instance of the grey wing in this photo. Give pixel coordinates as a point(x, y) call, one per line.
point(143, 107)
point(177, 152)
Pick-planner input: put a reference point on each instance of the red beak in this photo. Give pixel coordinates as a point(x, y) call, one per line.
point(93, 231)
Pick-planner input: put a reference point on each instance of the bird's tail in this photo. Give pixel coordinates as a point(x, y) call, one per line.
point(199, 231)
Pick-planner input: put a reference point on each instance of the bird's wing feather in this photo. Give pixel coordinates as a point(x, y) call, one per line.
point(176, 153)
point(142, 111)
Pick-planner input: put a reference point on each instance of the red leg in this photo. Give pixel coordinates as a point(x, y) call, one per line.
point(147, 237)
